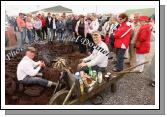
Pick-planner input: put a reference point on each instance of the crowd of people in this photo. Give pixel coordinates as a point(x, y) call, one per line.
point(119, 34)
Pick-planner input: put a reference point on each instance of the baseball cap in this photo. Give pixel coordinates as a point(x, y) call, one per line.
point(144, 18)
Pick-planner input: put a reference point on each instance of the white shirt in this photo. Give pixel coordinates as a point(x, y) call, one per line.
point(94, 25)
point(54, 24)
point(98, 57)
point(26, 67)
point(49, 18)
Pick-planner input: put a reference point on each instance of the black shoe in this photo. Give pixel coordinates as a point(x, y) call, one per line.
point(153, 84)
point(116, 70)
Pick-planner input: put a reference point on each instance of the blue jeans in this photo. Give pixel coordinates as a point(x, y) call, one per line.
point(23, 37)
point(30, 36)
point(60, 35)
point(29, 80)
point(120, 58)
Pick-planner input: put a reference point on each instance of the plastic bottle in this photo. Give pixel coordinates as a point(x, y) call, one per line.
point(90, 71)
point(100, 77)
point(94, 74)
point(81, 86)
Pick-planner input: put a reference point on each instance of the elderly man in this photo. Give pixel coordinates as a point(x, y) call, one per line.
point(98, 60)
point(28, 69)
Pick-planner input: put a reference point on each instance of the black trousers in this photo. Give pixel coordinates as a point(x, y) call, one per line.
point(39, 33)
point(44, 32)
point(120, 58)
point(89, 37)
point(82, 47)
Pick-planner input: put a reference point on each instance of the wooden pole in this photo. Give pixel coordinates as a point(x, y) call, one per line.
point(69, 94)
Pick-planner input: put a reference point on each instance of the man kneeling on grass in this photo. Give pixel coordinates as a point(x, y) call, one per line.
point(28, 69)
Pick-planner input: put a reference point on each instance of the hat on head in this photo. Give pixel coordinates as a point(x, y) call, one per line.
point(144, 18)
point(32, 49)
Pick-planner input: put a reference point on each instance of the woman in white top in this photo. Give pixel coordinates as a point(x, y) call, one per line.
point(38, 27)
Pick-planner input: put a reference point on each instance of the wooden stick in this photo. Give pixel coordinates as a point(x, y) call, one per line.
point(69, 94)
point(130, 68)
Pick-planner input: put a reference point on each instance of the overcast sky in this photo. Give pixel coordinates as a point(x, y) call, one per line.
point(86, 8)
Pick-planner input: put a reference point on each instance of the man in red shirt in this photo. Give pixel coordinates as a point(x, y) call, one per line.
point(22, 29)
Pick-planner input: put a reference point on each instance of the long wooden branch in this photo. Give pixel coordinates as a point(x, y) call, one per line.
point(69, 94)
point(128, 70)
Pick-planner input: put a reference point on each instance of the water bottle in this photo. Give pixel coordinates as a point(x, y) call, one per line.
point(81, 86)
point(100, 77)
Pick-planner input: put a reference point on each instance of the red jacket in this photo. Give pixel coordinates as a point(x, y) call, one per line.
point(122, 35)
point(107, 39)
point(43, 21)
point(143, 39)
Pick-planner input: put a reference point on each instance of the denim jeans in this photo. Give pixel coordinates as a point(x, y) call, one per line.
point(49, 34)
point(23, 37)
point(30, 36)
point(29, 80)
point(60, 35)
point(120, 58)
point(53, 31)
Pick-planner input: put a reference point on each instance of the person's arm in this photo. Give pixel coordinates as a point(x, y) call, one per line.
point(88, 58)
point(29, 70)
point(99, 58)
point(76, 28)
point(122, 32)
point(40, 24)
point(36, 63)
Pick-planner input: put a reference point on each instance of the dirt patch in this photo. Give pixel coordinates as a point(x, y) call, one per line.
point(18, 94)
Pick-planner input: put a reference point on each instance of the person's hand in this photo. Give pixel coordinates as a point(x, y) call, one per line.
point(82, 64)
point(20, 29)
point(81, 60)
point(42, 64)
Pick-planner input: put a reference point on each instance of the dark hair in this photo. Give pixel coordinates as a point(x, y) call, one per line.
point(81, 16)
point(20, 14)
point(123, 16)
